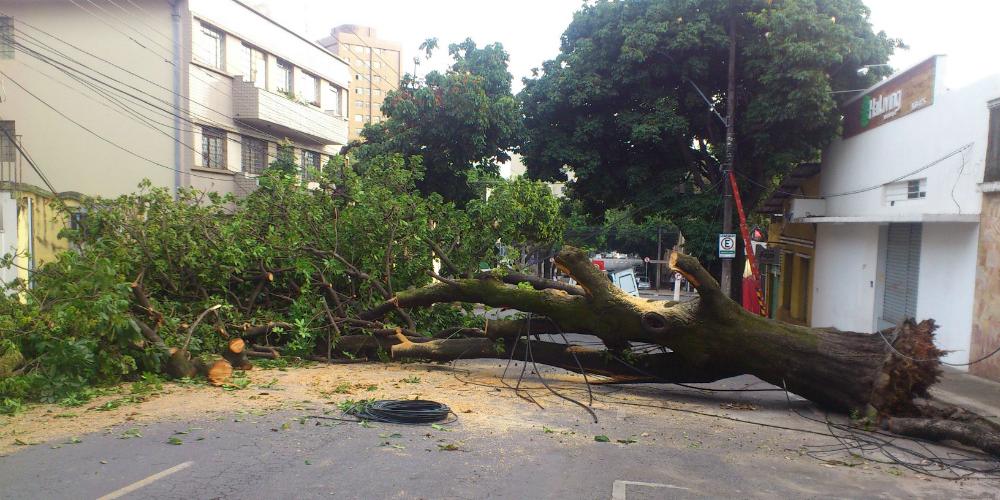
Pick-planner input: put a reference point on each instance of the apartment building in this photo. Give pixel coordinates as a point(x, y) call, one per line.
point(376, 69)
point(186, 93)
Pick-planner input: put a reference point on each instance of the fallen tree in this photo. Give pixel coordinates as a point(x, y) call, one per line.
point(884, 376)
point(171, 286)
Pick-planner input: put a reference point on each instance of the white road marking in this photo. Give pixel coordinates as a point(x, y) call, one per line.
point(618, 488)
point(146, 482)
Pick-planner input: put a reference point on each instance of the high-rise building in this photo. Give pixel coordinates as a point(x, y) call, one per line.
point(375, 70)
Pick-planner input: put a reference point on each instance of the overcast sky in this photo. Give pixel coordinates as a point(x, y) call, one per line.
point(965, 30)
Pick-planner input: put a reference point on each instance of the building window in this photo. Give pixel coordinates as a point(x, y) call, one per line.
point(358, 118)
point(378, 92)
point(254, 66)
point(377, 65)
point(360, 104)
point(310, 161)
point(6, 38)
point(992, 171)
point(284, 76)
point(213, 147)
point(254, 155)
point(8, 151)
point(212, 47)
point(331, 101)
point(356, 49)
point(309, 88)
point(902, 191)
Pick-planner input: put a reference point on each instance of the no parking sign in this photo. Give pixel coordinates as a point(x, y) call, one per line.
point(727, 245)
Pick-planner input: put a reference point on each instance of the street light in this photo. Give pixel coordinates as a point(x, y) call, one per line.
point(862, 71)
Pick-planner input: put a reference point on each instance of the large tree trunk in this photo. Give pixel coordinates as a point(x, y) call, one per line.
point(710, 338)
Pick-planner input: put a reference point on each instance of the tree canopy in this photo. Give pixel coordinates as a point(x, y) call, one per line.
point(462, 122)
point(621, 106)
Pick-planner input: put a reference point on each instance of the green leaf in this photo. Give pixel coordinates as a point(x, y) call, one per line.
point(601, 438)
point(174, 441)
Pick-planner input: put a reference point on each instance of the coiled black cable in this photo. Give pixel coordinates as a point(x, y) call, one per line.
point(401, 411)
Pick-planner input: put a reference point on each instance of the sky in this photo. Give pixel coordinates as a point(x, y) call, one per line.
point(965, 30)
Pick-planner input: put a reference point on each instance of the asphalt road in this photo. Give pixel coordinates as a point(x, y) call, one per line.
point(553, 455)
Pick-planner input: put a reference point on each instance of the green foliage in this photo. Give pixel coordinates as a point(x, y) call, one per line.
point(269, 257)
point(619, 109)
point(462, 122)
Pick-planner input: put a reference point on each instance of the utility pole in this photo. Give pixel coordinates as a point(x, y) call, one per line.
point(659, 254)
point(370, 49)
point(727, 197)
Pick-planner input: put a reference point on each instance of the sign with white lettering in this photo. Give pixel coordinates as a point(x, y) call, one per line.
point(727, 245)
point(905, 93)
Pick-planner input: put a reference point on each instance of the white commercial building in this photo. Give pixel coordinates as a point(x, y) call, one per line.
point(183, 92)
point(898, 216)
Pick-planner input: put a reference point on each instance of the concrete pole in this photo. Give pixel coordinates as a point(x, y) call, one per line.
point(727, 208)
point(659, 254)
point(677, 282)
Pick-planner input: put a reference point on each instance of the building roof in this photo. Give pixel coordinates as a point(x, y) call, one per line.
point(289, 30)
point(791, 184)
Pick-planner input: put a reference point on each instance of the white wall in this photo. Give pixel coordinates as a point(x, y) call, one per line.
point(8, 233)
point(956, 117)
point(844, 279)
point(252, 27)
point(211, 90)
point(946, 284)
point(73, 159)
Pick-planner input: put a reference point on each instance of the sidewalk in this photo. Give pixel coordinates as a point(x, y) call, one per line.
point(975, 393)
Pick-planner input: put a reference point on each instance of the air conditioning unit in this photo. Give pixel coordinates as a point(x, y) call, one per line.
point(801, 208)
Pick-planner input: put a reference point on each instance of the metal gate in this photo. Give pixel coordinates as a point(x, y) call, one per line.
point(902, 269)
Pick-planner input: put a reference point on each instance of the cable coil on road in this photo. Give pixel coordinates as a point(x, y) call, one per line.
point(402, 411)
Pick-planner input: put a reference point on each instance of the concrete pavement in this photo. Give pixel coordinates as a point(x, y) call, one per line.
point(656, 449)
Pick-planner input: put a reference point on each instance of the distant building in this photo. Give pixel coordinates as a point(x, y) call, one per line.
point(515, 168)
point(905, 217)
point(185, 93)
point(376, 69)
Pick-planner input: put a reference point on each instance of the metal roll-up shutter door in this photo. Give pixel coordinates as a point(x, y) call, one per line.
point(902, 269)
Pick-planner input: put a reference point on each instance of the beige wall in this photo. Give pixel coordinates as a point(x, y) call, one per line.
point(986, 308)
point(375, 69)
point(73, 159)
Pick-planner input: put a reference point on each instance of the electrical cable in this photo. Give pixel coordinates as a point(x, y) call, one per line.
point(95, 134)
point(147, 80)
point(27, 157)
point(970, 363)
point(546, 384)
point(864, 189)
point(73, 74)
point(401, 411)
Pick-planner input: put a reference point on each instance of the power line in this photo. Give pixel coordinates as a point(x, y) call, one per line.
point(193, 75)
point(27, 157)
point(95, 134)
point(63, 67)
point(864, 189)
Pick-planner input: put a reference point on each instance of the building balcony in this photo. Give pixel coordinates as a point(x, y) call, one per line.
point(283, 117)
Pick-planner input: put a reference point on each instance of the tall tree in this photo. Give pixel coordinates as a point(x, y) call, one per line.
point(623, 106)
point(462, 122)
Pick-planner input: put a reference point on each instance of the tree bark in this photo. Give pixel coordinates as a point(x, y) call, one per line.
point(710, 338)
